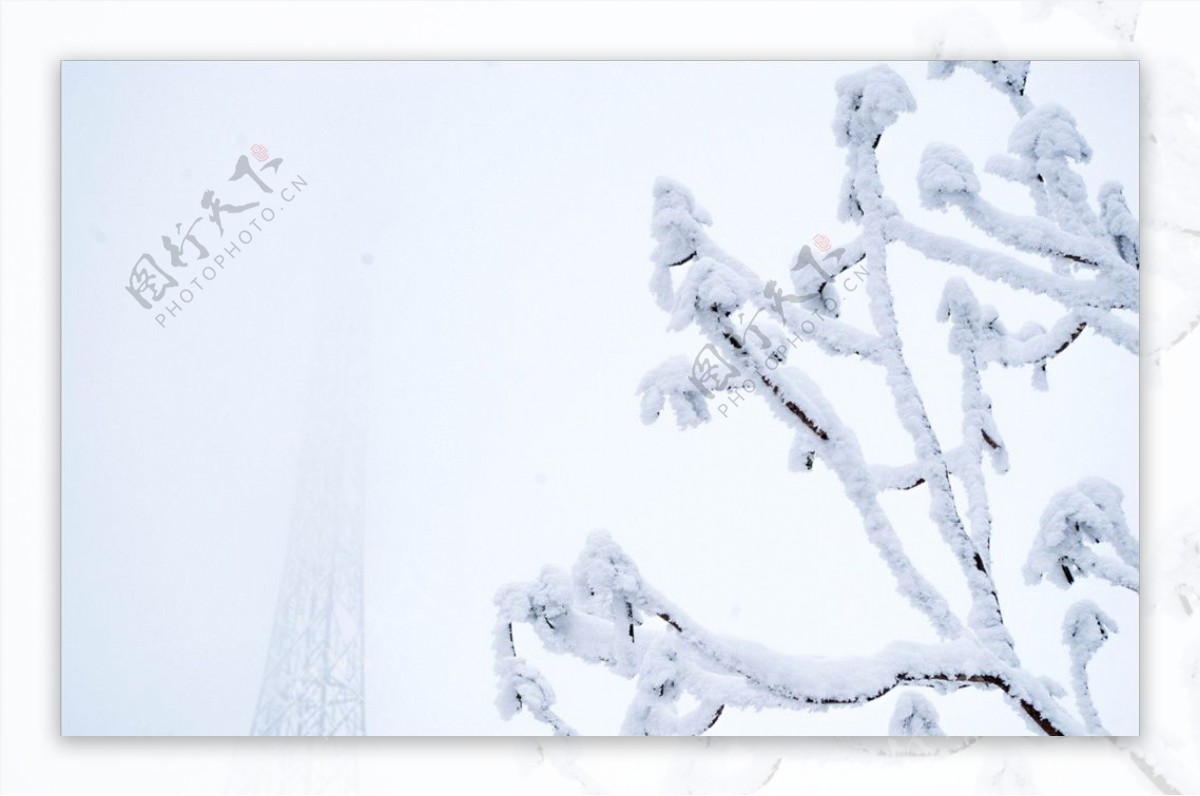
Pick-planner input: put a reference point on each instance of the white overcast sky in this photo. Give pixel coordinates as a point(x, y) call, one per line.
point(490, 221)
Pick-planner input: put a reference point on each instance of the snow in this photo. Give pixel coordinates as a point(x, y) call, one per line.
point(868, 102)
point(914, 715)
point(677, 381)
point(611, 606)
point(945, 171)
point(1048, 132)
point(1119, 222)
point(1088, 266)
point(1075, 519)
point(1085, 629)
point(1007, 77)
point(678, 228)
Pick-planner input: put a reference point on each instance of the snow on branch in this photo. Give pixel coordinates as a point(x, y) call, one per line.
point(1066, 230)
point(947, 178)
point(1087, 514)
point(914, 715)
point(673, 381)
point(603, 612)
point(1001, 267)
point(1007, 77)
point(1085, 629)
point(718, 286)
point(678, 227)
point(868, 103)
point(1120, 223)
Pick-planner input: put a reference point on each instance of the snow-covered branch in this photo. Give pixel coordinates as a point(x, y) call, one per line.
point(1007, 77)
point(1085, 629)
point(605, 613)
point(1087, 514)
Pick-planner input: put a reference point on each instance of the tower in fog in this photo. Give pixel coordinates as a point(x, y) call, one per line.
point(313, 683)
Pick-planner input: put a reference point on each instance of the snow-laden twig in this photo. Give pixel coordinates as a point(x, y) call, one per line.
point(1087, 514)
point(713, 291)
point(1000, 267)
point(1007, 77)
point(1085, 629)
point(604, 613)
point(869, 102)
point(914, 715)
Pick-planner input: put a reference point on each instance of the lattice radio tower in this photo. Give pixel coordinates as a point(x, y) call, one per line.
point(313, 683)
